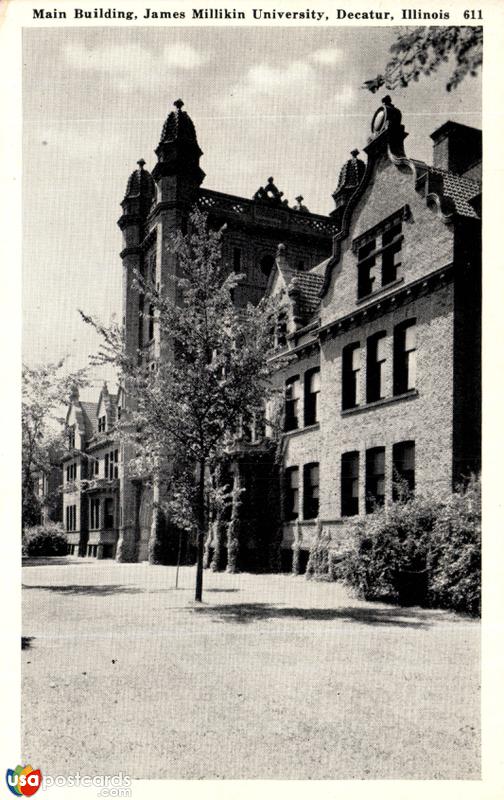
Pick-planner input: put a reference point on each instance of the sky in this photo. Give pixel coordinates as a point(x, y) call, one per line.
point(284, 102)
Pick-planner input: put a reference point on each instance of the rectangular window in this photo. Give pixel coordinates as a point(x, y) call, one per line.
point(71, 438)
point(378, 253)
point(236, 259)
point(71, 473)
point(292, 393)
point(403, 461)
point(376, 358)
point(405, 357)
point(94, 513)
point(281, 330)
point(350, 484)
point(351, 382)
point(108, 513)
point(375, 478)
point(95, 467)
point(102, 424)
point(291, 510)
point(310, 491)
point(311, 398)
point(71, 518)
point(366, 268)
point(391, 246)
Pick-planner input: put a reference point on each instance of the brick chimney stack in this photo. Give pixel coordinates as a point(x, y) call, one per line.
point(457, 148)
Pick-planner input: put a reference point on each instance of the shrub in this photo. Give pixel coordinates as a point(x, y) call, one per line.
point(45, 540)
point(455, 558)
point(388, 551)
point(419, 551)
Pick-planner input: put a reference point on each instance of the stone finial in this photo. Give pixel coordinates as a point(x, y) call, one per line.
point(387, 100)
point(141, 163)
point(300, 198)
point(74, 393)
point(179, 104)
point(354, 153)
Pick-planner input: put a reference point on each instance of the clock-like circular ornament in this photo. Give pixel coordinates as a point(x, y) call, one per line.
point(378, 120)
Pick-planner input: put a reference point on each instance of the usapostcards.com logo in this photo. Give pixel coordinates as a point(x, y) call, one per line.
point(23, 781)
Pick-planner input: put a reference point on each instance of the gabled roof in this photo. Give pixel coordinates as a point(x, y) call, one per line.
point(89, 418)
point(305, 289)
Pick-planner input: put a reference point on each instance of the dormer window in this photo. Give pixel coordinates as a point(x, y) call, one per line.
point(102, 424)
point(378, 254)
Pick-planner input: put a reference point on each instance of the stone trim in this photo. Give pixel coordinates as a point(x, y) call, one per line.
point(306, 428)
point(411, 394)
point(381, 227)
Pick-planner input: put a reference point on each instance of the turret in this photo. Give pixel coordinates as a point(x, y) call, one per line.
point(177, 172)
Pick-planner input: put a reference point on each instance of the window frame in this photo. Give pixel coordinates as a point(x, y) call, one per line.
point(398, 470)
point(350, 377)
point(291, 420)
point(375, 367)
point(405, 360)
point(373, 499)
point(311, 397)
point(349, 501)
point(380, 255)
point(291, 494)
point(311, 491)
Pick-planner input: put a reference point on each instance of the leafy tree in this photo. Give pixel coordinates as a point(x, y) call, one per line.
point(421, 50)
point(45, 388)
point(212, 377)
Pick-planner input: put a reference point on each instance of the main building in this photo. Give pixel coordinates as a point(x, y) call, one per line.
point(383, 333)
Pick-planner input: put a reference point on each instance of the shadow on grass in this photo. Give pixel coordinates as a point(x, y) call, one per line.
point(26, 642)
point(222, 590)
point(55, 561)
point(97, 591)
point(243, 613)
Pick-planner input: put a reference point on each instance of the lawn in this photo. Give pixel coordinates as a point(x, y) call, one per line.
point(272, 676)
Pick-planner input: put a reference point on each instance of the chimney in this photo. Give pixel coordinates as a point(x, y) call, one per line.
point(457, 148)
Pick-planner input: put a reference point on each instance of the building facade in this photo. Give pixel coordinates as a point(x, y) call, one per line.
point(383, 333)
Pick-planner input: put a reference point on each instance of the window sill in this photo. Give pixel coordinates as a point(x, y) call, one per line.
point(379, 292)
point(314, 427)
point(385, 401)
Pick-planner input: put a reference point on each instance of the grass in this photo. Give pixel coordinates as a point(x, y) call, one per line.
point(271, 677)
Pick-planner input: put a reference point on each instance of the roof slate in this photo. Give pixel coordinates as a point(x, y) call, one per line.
point(459, 190)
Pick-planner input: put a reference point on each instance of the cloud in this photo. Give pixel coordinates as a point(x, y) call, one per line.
point(297, 88)
point(133, 65)
point(330, 55)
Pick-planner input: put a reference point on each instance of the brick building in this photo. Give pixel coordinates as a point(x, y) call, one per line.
point(382, 330)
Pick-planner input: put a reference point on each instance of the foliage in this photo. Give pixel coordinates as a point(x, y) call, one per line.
point(45, 540)
point(422, 50)
point(212, 377)
point(418, 550)
point(386, 545)
point(455, 560)
point(45, 389)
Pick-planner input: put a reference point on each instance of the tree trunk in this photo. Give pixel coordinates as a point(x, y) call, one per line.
point(201, 533)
